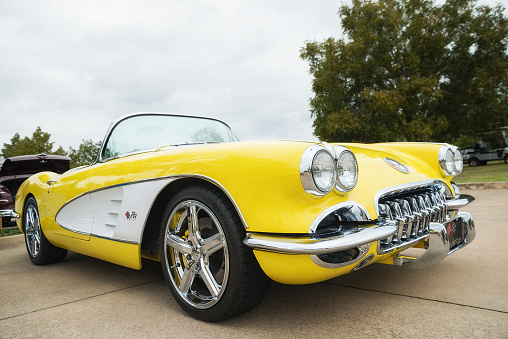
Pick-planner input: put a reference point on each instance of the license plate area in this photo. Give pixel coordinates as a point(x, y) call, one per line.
point(456, 232)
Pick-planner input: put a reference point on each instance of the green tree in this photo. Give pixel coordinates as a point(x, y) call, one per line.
point(9, 150)
point(39, 143)
point(410, 70)
point(86, 154)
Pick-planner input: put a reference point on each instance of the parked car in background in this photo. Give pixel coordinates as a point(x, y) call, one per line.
point(15, 170)
point(493, 146)
point(480, 154)
point(224, 217)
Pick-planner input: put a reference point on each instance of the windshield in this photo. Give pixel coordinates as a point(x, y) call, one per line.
point(152, 131)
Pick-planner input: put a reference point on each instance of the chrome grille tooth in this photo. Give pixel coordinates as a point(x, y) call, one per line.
point(442, 200)
point(418, 217)
point(428, 212)
point(432, 202)
point(401, 234)
point(437, 206)
point(424, 212)
point(385, 212)
point(437, 202)
point(430, 208)
point(408, 213)
point(399, 220)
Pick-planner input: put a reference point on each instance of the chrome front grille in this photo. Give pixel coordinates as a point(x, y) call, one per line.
point(412, 210)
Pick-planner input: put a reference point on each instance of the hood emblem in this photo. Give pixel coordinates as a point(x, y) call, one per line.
point(397, 165)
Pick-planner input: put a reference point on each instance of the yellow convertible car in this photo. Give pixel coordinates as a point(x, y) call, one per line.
point(225, 217)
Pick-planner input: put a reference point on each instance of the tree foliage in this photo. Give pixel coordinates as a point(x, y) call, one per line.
point(86, 153)
point(39, 143)
point(411, 70)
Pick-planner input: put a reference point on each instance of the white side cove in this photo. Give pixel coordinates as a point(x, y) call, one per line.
point(117, 213)
point(78, 213)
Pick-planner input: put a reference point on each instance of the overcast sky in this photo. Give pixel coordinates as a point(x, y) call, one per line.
point(73, 67)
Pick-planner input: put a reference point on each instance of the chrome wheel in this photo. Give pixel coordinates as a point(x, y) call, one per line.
point(196, 254)
point(32, 231)
point(40, 250)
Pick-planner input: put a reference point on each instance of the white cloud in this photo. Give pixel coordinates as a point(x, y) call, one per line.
point(72, 67)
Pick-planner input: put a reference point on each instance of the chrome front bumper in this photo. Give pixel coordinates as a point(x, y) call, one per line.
point(440, 244)
point(440, 241)
point(8, 214)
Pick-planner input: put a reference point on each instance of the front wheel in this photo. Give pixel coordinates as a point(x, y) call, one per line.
point(40, 250)
point(210, 272)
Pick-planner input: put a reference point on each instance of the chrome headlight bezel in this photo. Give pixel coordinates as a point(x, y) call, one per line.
point(450, 160)
point(309, 171)
point(338, 180)
point(343, 155)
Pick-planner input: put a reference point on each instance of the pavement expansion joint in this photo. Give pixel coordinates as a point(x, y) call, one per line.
point(81, 299)
point(420, 298)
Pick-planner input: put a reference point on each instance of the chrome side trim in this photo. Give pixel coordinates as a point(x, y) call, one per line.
point(459, 201)
point(304, 244)
point(8, 214)
point(101, 237)
point(115, 239)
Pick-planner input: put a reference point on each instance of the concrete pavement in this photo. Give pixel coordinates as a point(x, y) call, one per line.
point(465, 295)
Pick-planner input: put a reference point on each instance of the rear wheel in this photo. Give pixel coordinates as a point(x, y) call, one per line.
point(210, 272)
point(39, 249)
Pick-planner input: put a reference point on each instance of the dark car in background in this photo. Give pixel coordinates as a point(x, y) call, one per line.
point(480, 154)
point(15, 170)
point(492, 145)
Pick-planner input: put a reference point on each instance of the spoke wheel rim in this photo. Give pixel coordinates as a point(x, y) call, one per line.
point(32, 231)
point(196, 254)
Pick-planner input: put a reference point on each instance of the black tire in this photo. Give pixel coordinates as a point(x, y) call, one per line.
point(40, 250)
point(506, 159)
point(473, 162)
point(211, 273)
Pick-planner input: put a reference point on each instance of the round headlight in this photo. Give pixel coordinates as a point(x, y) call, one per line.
point(458, 161)
point(450, 160)
point(347, 169)
point(317, 170)
point(323, 172)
